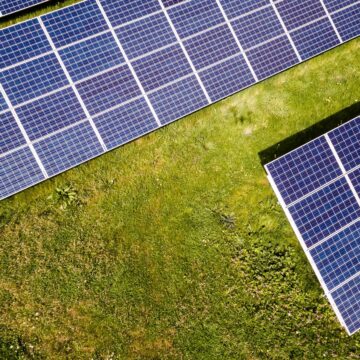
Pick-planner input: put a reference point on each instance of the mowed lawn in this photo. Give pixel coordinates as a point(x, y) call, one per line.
point(174, 246)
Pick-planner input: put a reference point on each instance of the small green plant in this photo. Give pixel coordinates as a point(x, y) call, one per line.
point(65, 196)
point(226, 219)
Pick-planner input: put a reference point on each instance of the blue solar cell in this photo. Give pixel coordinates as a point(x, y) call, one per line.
point(11, 6)
point(68, 148)
point(91, 56)
point(304, 170)
point(227, 78)
point(348, 22)
point(355, 179)
point(347, 300)
point(22, 42)
point(257, 27)
point(3, 104)
point(120, 12)
point(346, 140)
point(168, 3)
point(145, 35)
point(338, 258)
point(162, 67)
point(109, 89)
point(74, 23)
point(51, 113)
point(324, 212)
point(125, 123)
point(234, 8)
point(212, 46)
point(32, 79)
point(315, 38)
point(195, 16)
point(178, 99)
point(19, 165)
point(10, 134)
point(297, 13)
point(333, 5)
point(272, 57)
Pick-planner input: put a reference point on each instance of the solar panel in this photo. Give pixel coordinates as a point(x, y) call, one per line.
point(87, 78)
point(318, 186)
point(8, 7)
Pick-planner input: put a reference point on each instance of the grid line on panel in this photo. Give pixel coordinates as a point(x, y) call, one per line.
point(286, 30)
point(185, 52)
point(347, 301)
point(331, 21)
point(25, 135)
point(307, 251)
point(342, 168)
point(338, 258)
point(237, 40)
point(128, 62)
point(352, 277)
point(101, 141)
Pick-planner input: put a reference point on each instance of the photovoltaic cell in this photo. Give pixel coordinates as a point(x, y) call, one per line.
point(74, 23)
point(161, 68)
point(210, 47)
point(354, 177)
point(257, 27)
point(10, 134)
point(315, 38)
point(347, 299)
point(3, 105)
point(19, 165)
point(333, 5)
point(304, 170)
point(272, 57)
point(195, 16)
point(146, 35)
point(67, 148)
point(125, 123)
point(324, 211)
point(32, 79)
point(120, 12)
point(91, 57)
point(26, 42)
point(168, 3)
point(109, 89)
point(235, 8)
point(297, 13)
point(51, 113)
point(339, 257)
point(347, 22)
point(346, 141)
point(178, 99)
point(227, 78)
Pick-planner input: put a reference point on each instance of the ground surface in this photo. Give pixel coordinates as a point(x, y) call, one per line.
point(174, 246)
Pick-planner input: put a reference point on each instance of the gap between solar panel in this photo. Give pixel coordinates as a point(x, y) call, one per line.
point(302, 137)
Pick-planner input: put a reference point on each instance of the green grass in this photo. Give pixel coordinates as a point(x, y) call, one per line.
point(174, 246)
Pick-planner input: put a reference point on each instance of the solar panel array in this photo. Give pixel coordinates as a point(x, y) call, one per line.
point(8, 7)
point(87, 78)
point(318, 186)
